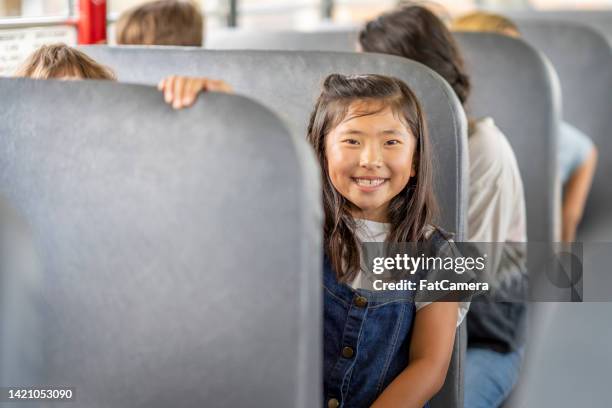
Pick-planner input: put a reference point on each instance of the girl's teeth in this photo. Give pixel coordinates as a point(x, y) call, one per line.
point(369, 182)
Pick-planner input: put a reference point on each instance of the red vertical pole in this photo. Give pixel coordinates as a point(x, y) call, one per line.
point(92, 21)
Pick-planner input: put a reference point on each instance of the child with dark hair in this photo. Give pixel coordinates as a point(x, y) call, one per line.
point(370, 137)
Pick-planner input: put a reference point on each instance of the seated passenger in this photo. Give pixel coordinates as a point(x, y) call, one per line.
point(370, 137)
point(496, 210)
point(59, 61)
point(162, 22)
point(576, 153)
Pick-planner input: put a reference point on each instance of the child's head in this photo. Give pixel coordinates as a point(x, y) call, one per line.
point(487, 22)
point(369, 134)
point(59, 61)
point(162, 22)
point(415, 32)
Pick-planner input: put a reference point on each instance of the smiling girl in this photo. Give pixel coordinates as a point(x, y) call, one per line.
point(369, 134)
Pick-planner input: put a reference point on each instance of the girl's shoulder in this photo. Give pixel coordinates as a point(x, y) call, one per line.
point(484, 125)
point(485, 138)
point(491, 156)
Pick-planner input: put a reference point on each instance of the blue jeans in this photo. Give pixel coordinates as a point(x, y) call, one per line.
point(490, 376)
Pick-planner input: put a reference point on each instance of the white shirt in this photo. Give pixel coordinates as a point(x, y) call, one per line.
point(372, 231)
point(496, 209)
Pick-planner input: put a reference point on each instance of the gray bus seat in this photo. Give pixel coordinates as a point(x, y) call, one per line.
point(515, 85)
point(342, 40)
point(289, 83)
point(178, 253)
point(583, 59)
point(600, 20)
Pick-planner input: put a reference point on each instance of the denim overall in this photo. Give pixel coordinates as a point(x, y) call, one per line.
point(366, 339)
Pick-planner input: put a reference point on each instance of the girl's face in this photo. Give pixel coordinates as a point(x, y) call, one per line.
point(370, 158)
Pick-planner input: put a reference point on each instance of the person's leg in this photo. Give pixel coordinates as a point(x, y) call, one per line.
point(489, 377)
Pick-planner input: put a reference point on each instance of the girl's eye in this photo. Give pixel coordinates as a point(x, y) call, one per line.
point(351, 141)
point(392, 142)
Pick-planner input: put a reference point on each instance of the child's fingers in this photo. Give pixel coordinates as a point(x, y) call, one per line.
point(225, 87)
point(169, 88)
point(193, 87)
point(179, 89)
point(216, 85)
point(182, 91)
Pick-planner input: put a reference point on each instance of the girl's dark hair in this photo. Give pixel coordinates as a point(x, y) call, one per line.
point(413, 208)
point(416, 33)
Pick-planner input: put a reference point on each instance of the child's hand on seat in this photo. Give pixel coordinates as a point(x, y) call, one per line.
point(181, 92)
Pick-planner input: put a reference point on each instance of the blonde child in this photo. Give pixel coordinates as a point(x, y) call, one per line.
point(59, 61)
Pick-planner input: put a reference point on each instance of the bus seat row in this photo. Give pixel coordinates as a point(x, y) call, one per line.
point(583, 60)
point(289, 82)
point(95, 187)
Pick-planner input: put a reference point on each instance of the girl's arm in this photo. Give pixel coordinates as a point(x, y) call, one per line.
point(431, 347)
point(575, 195)
point(181, 91)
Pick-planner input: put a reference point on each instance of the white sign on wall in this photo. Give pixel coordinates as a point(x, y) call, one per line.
point(16, 45)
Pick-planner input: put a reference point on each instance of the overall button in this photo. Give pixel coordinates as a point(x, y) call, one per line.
point(333, 403)
point(347, 352)
point(360, 301)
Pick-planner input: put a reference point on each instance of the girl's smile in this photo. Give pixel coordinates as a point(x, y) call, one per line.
point(368, 183)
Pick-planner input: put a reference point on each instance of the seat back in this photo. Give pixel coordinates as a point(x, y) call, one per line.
point(178, 254)
point(342, 40)
point(600, 20)
point(289, 83)
point(583, 60)
point(515, 85)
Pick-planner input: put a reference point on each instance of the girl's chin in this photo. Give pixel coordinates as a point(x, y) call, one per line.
point(372, 213)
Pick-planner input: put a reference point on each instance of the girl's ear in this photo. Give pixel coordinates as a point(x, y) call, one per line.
point(413, 171)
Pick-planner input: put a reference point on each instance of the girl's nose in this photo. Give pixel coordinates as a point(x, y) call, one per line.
point(371, 157)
